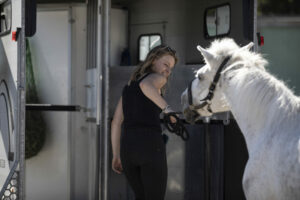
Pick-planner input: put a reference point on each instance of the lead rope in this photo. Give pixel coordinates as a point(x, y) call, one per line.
point(178, 128)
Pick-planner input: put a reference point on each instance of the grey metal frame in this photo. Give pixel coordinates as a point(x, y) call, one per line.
point(103, 95)
point(255, 26)
point(21, 103)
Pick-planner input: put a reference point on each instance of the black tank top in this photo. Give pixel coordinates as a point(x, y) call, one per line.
point(139, 111)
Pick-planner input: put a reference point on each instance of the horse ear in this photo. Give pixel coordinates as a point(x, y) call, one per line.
point(248, 46)
point(206, 54)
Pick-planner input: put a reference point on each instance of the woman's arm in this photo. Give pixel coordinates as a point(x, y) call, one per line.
point(115, 137)
point(151, 86)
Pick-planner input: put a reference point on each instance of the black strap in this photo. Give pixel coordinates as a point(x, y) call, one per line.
point(178, 128)
point(190, 96)
point(218, 74)
point(212, 86)
point(142, 77)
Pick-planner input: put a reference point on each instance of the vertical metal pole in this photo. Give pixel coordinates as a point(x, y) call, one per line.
point(104, 79)
point(207, 159)
point(99, 115)
point(106, 39)
point(99, 83)
point(20, 130)
point(99, 99)
point(255, 25)
point(70, 96)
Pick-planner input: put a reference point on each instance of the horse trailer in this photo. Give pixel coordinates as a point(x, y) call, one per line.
point(75, 56)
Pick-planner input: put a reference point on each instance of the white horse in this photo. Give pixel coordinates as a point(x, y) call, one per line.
point(267, 112)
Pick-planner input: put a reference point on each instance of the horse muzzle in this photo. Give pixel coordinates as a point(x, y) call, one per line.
point(191, 116)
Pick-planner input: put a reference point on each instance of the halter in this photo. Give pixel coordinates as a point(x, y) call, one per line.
point(210, 95)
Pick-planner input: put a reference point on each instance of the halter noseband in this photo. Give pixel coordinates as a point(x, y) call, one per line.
point(210, 95)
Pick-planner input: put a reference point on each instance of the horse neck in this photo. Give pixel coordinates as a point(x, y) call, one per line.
point(259, 102)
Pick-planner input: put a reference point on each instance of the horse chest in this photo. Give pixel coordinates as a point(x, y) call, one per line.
point(273, 170)
point(260, 180)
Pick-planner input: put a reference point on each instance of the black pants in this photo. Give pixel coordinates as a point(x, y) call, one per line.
point(143, 157)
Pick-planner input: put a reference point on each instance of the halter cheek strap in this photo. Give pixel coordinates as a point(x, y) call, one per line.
point(210, 94)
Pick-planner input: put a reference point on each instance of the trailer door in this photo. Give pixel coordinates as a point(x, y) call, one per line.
point(12, 98)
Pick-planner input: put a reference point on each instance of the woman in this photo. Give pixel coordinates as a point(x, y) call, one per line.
point(142, 153)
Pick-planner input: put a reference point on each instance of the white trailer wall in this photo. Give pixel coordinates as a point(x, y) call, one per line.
point(47, 175)
point(61, 169)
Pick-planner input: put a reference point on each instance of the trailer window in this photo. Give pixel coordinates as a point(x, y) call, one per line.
point(217, 21)
point(5, 17)
point(146, 43)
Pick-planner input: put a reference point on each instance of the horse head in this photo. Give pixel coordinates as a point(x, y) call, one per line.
point(204, 95)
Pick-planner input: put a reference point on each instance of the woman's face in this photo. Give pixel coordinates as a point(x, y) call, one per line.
point(163, 65)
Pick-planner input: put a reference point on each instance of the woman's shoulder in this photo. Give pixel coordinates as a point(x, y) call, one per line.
point(155, 79)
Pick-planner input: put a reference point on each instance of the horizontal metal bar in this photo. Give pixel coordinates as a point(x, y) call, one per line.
point(200, 122)
point(50, 107)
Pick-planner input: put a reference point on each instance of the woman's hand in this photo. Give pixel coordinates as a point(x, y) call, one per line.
point(167, 110)
point(117, 165)
point(173, 119)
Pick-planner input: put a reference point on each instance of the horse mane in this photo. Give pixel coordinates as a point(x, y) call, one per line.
point(256, 87)
point(227, 46)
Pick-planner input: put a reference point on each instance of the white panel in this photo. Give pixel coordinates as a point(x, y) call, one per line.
point(47, 174)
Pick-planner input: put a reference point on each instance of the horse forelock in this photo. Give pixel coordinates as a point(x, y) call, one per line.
point(227, 47)
point(223, 46)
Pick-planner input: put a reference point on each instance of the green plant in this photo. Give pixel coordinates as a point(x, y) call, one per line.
point(35, 123)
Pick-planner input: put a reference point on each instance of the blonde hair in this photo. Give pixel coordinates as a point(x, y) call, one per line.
point(145, 66)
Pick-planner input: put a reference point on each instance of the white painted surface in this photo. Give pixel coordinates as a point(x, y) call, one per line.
point(66, 166)
point(47, 174)
point(82, 149)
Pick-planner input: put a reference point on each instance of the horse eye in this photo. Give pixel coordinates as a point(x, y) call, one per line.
point(200, 77)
